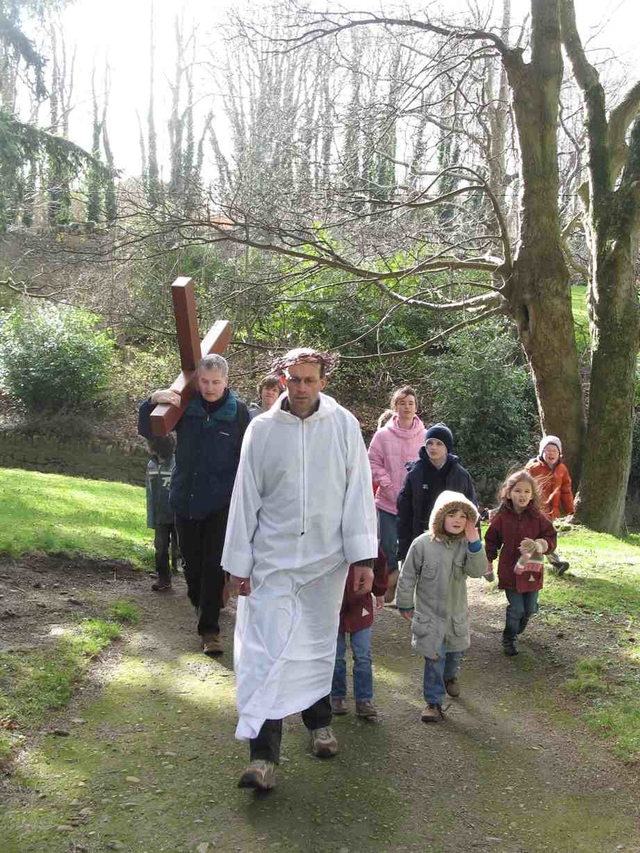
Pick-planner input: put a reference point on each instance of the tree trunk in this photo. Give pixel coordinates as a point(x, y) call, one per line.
point(607, 459)
point(538, 288)
point(615, 318)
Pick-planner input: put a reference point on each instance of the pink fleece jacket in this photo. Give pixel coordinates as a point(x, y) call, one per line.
point(390, 450)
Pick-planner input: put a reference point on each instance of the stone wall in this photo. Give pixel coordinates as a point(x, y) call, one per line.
point(91, 458)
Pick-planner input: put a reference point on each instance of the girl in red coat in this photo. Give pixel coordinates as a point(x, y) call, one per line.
point(518, 529)
point(356, 619)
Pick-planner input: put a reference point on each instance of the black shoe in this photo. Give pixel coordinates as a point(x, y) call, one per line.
point(561, 567)
point(510, 649)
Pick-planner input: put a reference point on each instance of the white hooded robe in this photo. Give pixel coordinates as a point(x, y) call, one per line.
point(301, 512)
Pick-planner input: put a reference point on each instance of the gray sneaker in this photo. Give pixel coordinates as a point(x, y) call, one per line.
point(260, 775)
point(324, 743)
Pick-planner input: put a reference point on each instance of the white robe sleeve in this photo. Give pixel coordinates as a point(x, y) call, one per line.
point(237, 555)
point(359, 531)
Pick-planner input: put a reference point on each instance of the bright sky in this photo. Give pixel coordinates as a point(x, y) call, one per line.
point(119, 30)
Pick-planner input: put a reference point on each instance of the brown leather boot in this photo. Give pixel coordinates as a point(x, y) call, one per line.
point(211, 645)
point(366, 710)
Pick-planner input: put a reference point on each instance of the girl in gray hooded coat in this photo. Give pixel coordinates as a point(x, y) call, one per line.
point(432, 594)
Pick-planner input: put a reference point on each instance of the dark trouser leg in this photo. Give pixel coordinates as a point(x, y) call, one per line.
point(318, 715)
point(266, 746)
point(173, 538)
point(201, 543)
point(161, 543)
point(189, 537)
point(530, 604)
point(515, 612)
point(214, 527)
point(388, 536)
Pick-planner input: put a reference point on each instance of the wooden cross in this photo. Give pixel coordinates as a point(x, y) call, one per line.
point(164, 417)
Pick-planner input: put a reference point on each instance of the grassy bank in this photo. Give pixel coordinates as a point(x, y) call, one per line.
point(53, 514)
point(37, 681)
point(598, 604)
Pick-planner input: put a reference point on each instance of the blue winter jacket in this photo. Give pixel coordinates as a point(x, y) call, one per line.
point(207, 454)
point(422, 485)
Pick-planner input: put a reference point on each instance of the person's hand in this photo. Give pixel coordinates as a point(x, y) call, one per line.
point(407, 614)
point(527, 546)
point(241, 586)
point(362, 578)
point(542, 546)
point(471, 531)
point(489, 575)
point(379, 602)
point(166, 395)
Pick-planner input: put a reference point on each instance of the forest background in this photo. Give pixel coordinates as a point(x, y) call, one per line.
point(447, 200)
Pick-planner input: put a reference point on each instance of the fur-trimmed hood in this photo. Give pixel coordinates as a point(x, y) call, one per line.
point(445, 502)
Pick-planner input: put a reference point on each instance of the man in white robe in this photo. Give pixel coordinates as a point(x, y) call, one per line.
point(301, 512)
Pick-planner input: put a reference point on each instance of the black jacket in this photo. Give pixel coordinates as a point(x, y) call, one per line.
point(207, 453)
point(422, 485)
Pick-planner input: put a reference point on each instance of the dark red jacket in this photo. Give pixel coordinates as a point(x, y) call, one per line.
point(505, 533)
point(356, 612)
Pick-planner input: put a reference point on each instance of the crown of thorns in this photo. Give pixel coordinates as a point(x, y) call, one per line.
point(305, 355)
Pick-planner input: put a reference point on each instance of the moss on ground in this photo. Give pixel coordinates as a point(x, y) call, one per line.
point(153, 765)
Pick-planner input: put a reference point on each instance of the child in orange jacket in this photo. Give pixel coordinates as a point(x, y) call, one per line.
point(554, 483)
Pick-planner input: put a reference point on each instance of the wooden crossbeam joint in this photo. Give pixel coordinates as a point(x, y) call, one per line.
point(164, 417)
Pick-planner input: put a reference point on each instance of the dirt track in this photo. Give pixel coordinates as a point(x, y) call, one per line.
point(152, 764)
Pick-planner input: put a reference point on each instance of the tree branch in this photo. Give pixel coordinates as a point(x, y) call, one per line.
point(471, 321)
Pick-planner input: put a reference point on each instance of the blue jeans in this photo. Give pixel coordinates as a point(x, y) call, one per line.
point(362, 672)
point(436, 671)
point(522, 605)
point(388, 536)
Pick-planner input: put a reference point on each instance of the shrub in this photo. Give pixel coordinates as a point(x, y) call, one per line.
point(484, 394)
point(54, 358)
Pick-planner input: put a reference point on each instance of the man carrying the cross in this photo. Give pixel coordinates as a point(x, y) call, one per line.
point(209, 434)
point(302, 510)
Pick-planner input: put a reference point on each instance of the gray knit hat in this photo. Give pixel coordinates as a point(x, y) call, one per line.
point(550, 439)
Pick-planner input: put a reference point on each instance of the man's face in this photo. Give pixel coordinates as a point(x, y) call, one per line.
point(211, 384)
point(268, 396)
point(436, 450)
point(304, 386)
point(551, 454)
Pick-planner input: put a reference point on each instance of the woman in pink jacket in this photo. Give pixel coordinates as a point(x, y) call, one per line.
point(392, 448)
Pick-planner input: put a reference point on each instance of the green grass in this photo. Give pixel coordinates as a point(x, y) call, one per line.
point(71, 516)
point(604, 576)
point(580, 316)
point(602, 586)
point(588, 676)
point(124, 612)
point(34, 682)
